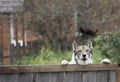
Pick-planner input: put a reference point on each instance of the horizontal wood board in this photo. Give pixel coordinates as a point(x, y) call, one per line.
point(58, 68)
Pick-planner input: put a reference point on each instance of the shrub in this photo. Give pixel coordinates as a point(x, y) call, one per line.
point(46, 56)
point(49, 56)
point(109, 44)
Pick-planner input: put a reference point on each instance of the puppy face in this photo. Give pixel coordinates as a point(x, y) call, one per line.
point(82, 52)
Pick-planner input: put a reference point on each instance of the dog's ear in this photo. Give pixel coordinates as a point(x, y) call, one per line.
point(74, 45)
point(89, 43)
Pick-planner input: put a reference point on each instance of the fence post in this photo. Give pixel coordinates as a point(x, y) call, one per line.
point(18, 51)
point(1, 55)
point(12, 54)
point(29, 49)
point(35, 47)
point(118, 75)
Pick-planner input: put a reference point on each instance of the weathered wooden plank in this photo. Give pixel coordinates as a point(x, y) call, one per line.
point(57, 68)
point(89, 77)
point(102, 76)
point(118, 76)
point(68, 77)
point(1, 55)
point(35, 49)
point(25, 77)
point(22, 77)
point(18, 50)
point(57, 77)
point(8, 78)
point(29, 48)
point(42, 77)
point(12, 55)
point(78, 76)
point(73, 76)
point(112, 76)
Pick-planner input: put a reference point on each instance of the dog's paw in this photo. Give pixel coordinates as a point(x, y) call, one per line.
point(105, 61)
point(64, 62)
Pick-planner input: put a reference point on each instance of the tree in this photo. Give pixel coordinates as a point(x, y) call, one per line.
point(54, 20)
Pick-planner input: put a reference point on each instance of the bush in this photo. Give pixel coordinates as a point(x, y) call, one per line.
point(49, 56)
point(45, 56)
point(109, 44)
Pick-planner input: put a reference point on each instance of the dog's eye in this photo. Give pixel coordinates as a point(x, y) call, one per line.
point(87, 50)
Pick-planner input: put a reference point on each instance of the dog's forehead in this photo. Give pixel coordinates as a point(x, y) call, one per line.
point(83, 47)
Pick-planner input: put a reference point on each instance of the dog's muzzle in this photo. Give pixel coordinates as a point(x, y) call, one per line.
point(84, 57)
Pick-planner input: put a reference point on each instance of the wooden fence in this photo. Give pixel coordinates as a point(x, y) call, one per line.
point(59, 73)
point(16, 52)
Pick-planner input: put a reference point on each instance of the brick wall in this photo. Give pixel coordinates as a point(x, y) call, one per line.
point(4, 37)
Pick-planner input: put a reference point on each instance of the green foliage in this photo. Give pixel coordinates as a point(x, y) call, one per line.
point(45, 56)
point(97, 55)
point(109, 44)
point(106, 45)
point(50, 56)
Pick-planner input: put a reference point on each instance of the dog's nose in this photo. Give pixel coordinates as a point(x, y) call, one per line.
point(84, 56)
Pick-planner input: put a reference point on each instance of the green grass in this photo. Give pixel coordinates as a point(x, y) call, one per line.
point(45, 56)
point(49, 56)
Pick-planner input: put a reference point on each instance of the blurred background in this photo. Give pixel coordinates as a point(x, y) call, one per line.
point(42, 31)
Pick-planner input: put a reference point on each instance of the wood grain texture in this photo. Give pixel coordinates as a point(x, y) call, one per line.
point(112, 76)
point(12, 55)
point(25, 77)
point(57, 68)
point(118, 75)
point(96, 76)
point(58, 73)
point(58, 77)
point(1, 55)
point(89, 76)
point(8, 78)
